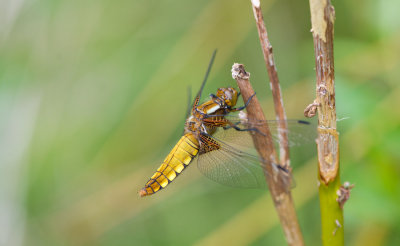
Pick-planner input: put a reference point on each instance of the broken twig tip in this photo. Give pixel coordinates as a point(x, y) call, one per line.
point(238, 72)
point(256, 3)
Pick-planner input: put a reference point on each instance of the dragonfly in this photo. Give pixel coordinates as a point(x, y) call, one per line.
point(219, 141)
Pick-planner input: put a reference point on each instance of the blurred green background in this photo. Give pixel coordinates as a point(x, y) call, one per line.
point(93, 96)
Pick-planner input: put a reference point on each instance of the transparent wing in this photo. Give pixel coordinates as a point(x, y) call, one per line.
point(235, 165)
point(299, 132)
point(233, 160)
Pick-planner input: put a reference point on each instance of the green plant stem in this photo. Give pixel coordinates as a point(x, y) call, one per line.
point(322, 20)
point(331, 213)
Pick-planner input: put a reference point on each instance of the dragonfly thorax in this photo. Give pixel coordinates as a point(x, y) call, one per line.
point(229, 96)
point(219, 104)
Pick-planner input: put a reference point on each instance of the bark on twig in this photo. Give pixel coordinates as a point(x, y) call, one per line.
point(322, 20)
point(274, 85)
point(277, 181)
point(288, 218)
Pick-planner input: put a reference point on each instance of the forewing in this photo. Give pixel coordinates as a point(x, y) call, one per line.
point(299, 132)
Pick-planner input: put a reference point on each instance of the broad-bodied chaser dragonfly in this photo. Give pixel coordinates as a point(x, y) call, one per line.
point(220, 141)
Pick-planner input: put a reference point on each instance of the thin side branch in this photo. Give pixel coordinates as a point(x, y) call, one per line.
point(274, 85)
point(287, 213)
point(322, 20)
point(276, 178)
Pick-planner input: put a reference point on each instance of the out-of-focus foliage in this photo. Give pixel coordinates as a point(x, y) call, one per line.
point(93, 95)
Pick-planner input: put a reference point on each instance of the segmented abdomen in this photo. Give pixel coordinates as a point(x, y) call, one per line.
point(176, 161)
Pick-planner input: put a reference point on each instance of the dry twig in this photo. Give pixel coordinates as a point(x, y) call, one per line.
point(288, 218)
point(277, 181)
point(274, 85)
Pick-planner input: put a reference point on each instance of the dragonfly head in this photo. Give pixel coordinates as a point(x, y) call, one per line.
point(229, 95)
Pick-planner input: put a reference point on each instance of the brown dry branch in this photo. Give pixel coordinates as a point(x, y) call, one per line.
point(325, 89)
point(322, 20)
point(277, 182)
point(291, 228)
point(274, 85)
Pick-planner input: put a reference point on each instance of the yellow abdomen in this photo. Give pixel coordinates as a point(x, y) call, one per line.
point(177, 160)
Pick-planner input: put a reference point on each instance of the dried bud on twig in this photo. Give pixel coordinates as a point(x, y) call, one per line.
point(344, 193)
point(311, 109)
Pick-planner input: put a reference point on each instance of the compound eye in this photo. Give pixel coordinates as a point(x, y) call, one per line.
point(228, 95)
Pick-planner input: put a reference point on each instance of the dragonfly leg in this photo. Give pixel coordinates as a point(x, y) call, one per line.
point(234, 126)
point(213, 96)
point(246, 104)
point(284, 169)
